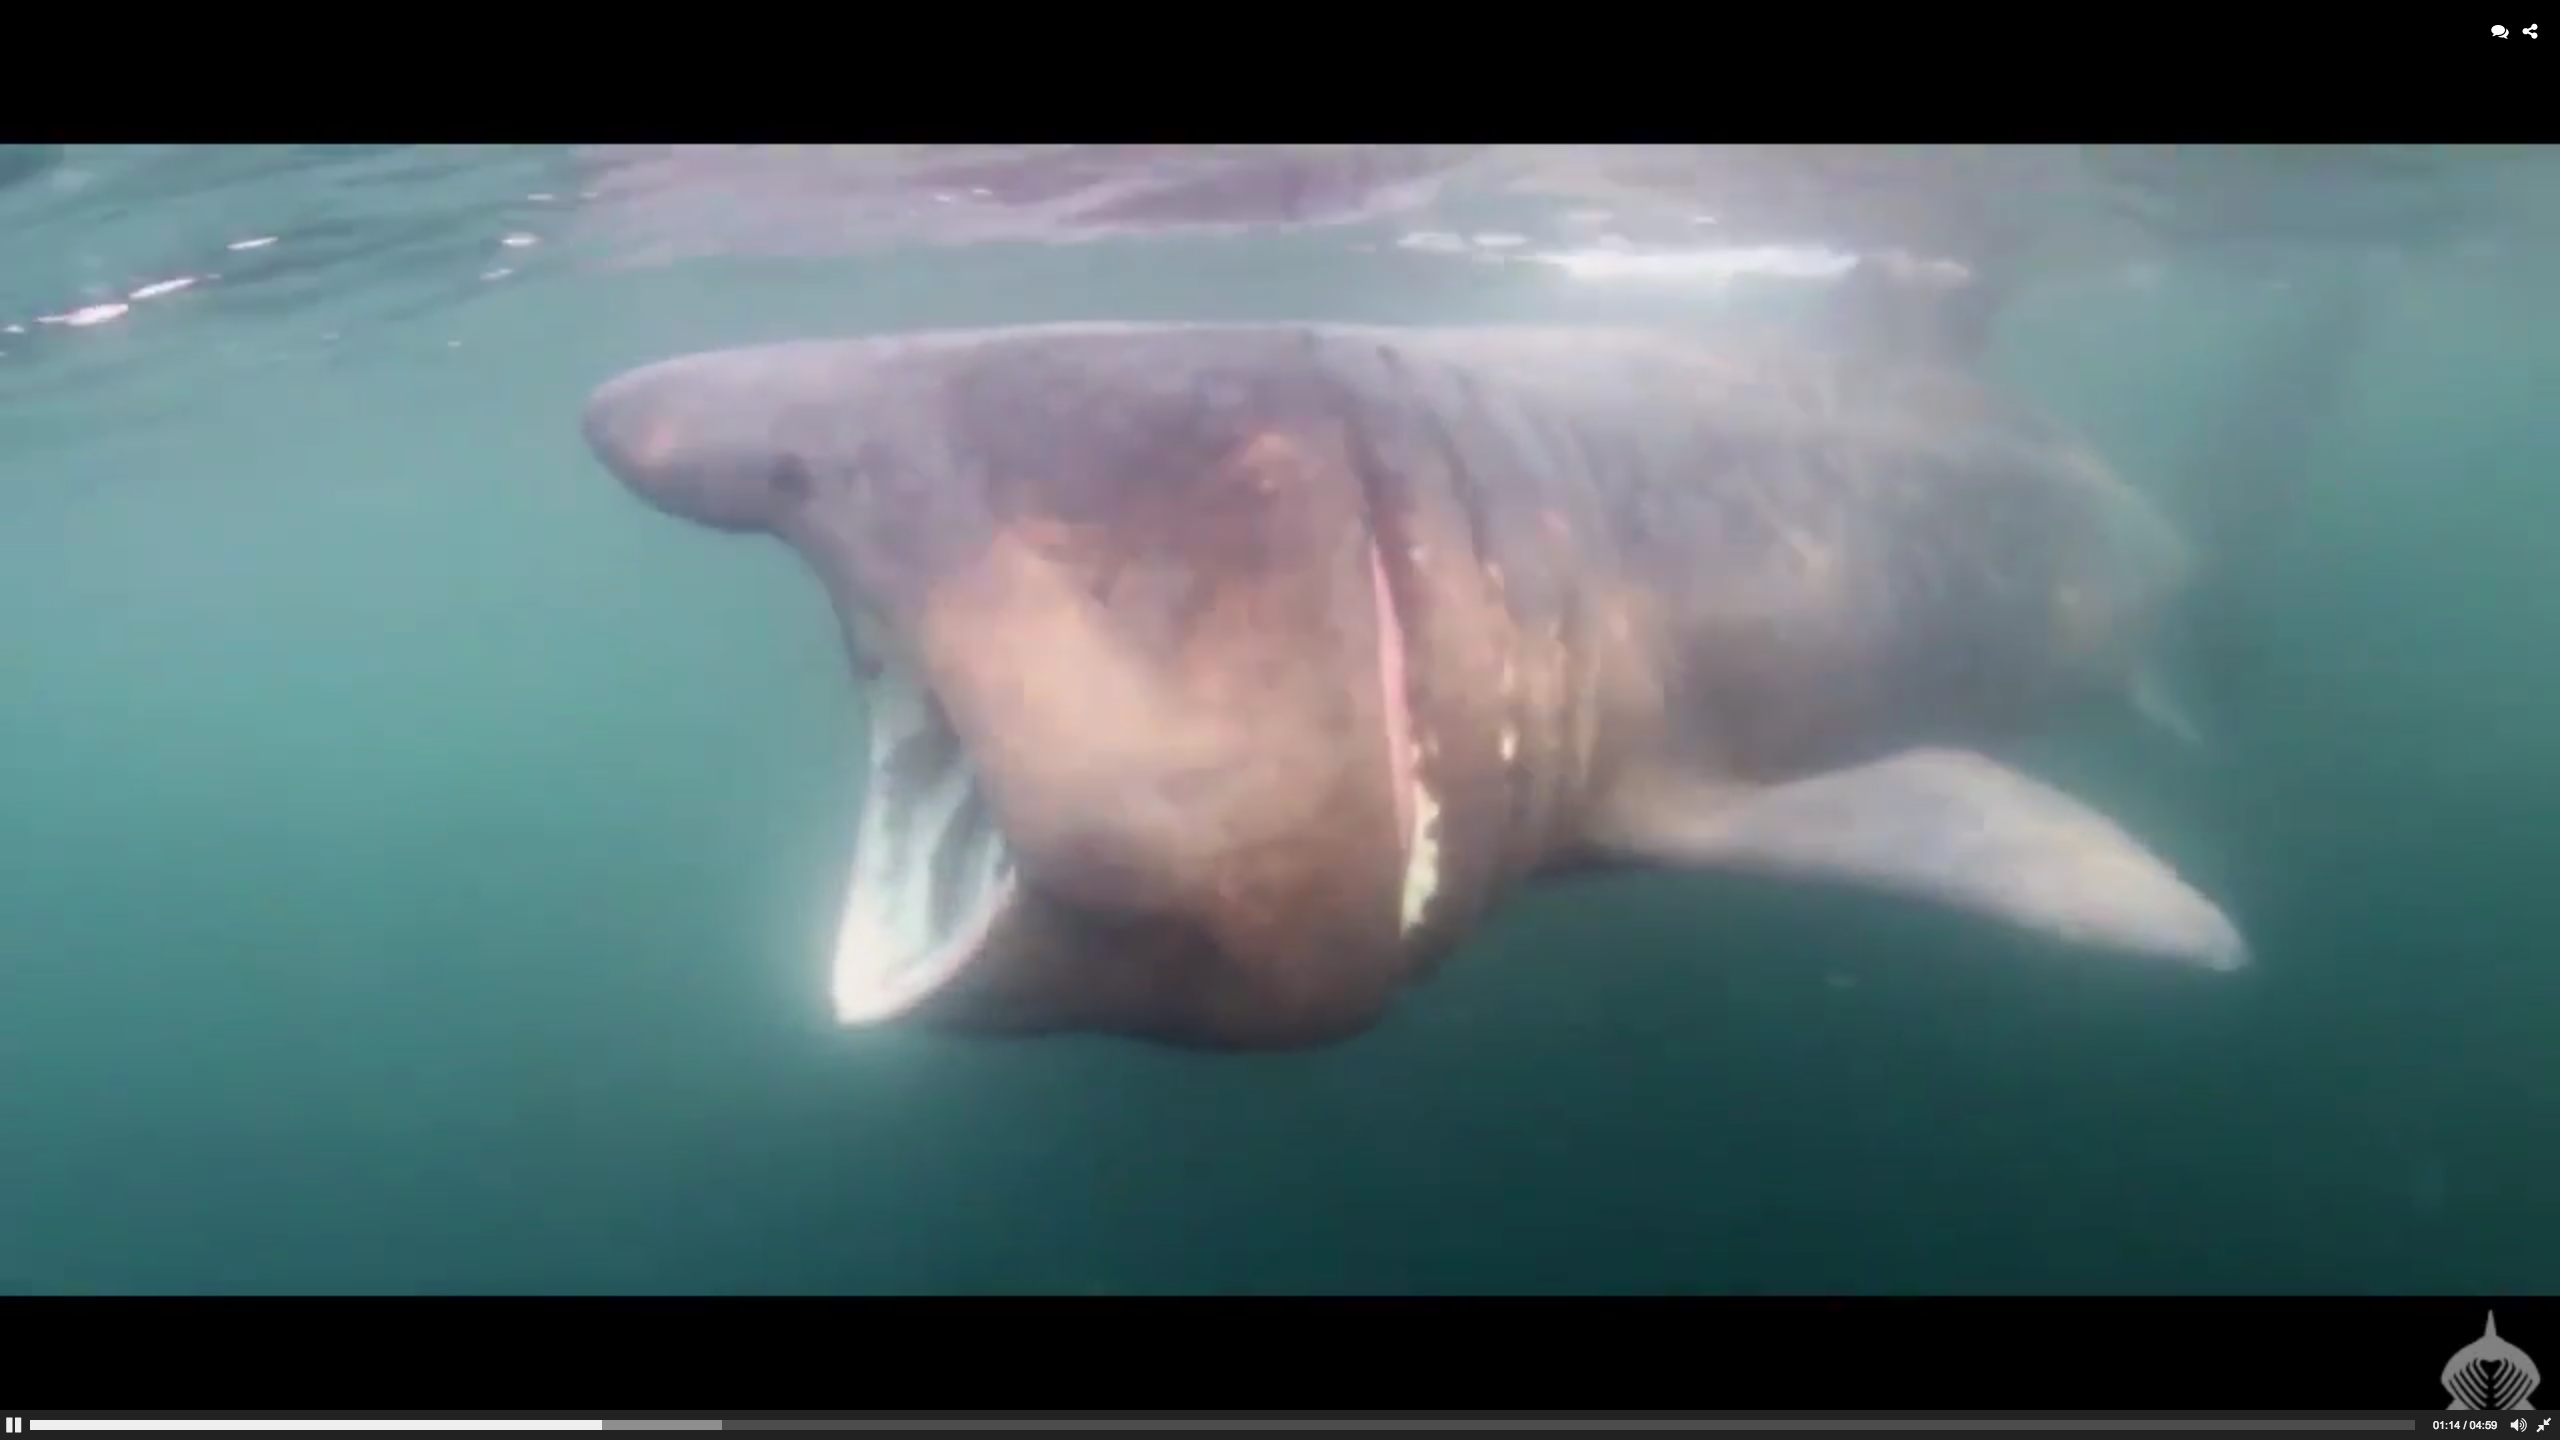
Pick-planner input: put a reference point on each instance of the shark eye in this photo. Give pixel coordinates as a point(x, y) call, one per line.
point(790, 478)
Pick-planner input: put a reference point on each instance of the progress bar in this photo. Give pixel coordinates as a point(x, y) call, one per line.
point(1338, 1422)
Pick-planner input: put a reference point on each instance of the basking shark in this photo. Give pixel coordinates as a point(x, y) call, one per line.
point(1224, 677)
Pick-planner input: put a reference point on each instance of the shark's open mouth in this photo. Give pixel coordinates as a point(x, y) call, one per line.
point(931, 871)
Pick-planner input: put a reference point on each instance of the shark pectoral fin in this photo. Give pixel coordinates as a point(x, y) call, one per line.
point(1947, 826)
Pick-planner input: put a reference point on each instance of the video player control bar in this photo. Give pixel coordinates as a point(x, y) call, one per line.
point(16, 1425)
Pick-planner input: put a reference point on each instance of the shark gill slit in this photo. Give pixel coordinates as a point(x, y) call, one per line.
point(1467, 495)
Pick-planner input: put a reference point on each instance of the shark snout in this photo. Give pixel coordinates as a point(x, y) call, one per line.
point(687, 437)
point(625, 427)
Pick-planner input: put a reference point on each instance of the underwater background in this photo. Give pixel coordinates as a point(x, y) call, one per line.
point(417, 857)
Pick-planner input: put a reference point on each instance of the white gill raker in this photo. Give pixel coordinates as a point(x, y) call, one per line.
point(1422, 865)
point(1417, 811)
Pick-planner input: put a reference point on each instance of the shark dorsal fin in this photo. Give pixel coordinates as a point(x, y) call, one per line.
point(1928, 311)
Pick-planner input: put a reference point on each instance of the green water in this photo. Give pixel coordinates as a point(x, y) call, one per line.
point(416, 863)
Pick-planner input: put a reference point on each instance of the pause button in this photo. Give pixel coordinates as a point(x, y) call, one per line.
point(16, 1425)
